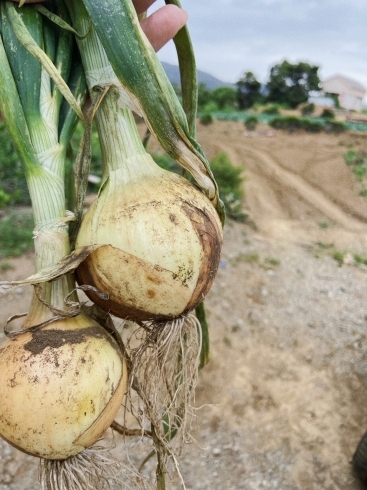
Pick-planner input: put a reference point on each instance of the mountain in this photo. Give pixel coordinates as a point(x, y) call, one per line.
point(173, 73)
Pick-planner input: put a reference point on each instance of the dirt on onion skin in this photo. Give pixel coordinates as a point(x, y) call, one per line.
point(284, 396)
point(41, 339)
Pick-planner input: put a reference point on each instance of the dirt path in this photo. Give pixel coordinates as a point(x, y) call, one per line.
point(284, 396)
point(270, 170)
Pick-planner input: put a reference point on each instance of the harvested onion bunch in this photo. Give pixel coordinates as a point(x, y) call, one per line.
point(149, 245)
point(159, 235)
point(62, 376)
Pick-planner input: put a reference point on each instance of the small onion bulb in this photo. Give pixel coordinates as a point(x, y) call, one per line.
point(165, 240)
point(61, 387)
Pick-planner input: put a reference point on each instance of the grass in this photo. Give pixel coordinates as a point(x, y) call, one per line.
point(342, 257)
point(16, 232)
point(247, 258)
point(357, 160)
point(270, 263)
point(339, 257)
point(360, 259)
point(253, 258)
point(324, 224)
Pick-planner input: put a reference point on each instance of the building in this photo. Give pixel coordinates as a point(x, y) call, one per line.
point(349, 92)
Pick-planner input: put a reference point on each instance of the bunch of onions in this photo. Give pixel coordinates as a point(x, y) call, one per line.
point(63, 376)
point(159, 235)
point(156, 237)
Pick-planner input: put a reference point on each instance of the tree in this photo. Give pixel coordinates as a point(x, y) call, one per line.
point(291, 83)
point(248, 90)
point(204, 96)
point(224, 97)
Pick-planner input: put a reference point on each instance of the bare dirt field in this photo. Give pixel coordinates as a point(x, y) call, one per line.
point(283, 399)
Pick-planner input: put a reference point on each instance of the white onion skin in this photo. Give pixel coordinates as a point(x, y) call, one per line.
point(61, 387)
point(165, 242)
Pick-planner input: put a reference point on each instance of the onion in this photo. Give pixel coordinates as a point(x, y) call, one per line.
point(61, 387)
point(165, 240)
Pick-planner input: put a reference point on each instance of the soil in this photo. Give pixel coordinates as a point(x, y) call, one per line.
point(283, 399)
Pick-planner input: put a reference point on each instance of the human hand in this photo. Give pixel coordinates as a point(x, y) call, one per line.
point(159, 27)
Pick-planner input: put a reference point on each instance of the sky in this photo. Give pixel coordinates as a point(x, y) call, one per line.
point(231, 37)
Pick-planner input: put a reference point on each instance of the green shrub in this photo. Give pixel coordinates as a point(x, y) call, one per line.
point(228, 177)
point(290, 123)
point(360, 171)
point(308, 109)
point(16, 231)
point(211, 107)
point(311, 126)
point(251, 122)
point(328, 114)
point(206, 119)
point(293, 123)
point(271, 110)
point(350, 157)
point(336, 127)
point(358, 161)
point(230, 182)
point(360, 259)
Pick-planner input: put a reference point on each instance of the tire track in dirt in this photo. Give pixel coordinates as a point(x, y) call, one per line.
point(274, 173)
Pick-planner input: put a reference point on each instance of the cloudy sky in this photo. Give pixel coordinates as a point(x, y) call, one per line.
point(231, 37)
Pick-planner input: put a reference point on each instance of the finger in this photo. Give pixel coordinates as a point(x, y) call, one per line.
point(163, 25)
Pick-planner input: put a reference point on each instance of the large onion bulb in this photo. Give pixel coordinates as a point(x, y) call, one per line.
point(165, 241)
point(61, 387)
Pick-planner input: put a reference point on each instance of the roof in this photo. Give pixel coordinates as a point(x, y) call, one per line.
point(349, 83)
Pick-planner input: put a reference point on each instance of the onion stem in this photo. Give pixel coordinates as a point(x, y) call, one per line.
point(161, 470)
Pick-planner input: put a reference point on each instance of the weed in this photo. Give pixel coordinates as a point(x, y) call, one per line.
point(247, 258)
point(339, 257)
point(324, 224)
point(230, 182)
point(16, 233)
point(360, 259)
point(350, 157)
point(325, 246)
point(251, 122)
point(206, 119)
point(322, 249)
point(358, 161)
point(270, 262)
